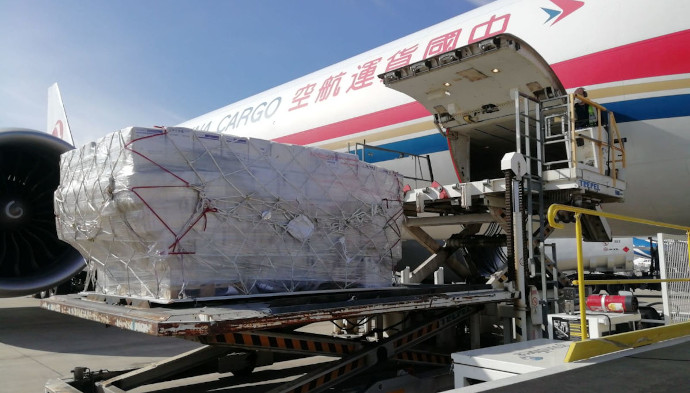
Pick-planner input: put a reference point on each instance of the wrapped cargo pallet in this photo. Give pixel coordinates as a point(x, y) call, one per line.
point(176, 213)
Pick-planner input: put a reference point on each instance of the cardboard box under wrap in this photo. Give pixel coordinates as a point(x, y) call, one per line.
point(175, 213)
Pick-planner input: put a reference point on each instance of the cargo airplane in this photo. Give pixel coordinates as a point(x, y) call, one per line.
point(629, 55)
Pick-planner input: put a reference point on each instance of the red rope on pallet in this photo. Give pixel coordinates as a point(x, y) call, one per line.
point(202, 215)
point(207, 209)
point(133, 189)
point(165, 132)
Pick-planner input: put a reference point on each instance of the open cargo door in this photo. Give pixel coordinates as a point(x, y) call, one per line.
point(471, 93)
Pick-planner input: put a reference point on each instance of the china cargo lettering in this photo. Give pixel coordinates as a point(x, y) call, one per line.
point(363, 77)
point(367, 71)
point(233, 120)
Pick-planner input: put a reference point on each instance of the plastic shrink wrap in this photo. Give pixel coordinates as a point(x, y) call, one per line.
point(175, 213)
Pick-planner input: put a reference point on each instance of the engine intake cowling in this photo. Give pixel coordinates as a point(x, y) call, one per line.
point(32, 258)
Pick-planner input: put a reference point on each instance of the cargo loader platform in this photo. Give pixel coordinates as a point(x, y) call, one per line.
point(518, 144)
point(213, 315)
point(248, 331)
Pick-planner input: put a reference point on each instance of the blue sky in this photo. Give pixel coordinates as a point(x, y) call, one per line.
point(122, 63)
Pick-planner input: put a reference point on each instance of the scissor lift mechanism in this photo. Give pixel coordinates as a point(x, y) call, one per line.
point(235, 325)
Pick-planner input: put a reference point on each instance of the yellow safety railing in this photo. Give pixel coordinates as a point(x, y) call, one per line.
point(581, 282)
point(616, 149)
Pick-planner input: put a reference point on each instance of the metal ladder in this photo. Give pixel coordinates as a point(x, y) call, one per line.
point(529, 135)
point(531, 139)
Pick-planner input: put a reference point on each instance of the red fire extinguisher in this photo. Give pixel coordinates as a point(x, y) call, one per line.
point(609, 303)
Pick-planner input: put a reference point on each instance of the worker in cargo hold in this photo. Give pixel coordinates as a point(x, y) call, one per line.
point(585, 114)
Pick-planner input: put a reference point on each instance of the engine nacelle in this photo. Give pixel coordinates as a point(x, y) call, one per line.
point(32, 258)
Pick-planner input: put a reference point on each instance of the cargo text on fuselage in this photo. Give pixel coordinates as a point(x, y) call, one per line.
point(243, 117)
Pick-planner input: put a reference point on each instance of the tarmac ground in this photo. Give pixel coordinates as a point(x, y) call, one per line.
point(37, 345)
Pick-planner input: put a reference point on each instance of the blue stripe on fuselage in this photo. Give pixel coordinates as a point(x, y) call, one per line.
point(625, 111)
point(650, 108)
point(422, 145)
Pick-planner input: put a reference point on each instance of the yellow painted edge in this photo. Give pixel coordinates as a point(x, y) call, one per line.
point(638, 88)
point(599, 346)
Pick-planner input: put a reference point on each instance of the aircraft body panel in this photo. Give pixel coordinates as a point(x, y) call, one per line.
point(631, 58)
point(347, 100)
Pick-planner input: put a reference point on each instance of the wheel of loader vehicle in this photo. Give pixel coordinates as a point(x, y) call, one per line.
point(240, 364)
point(46, 293)
point(244, 371)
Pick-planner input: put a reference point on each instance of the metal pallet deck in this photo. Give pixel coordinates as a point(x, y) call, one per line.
point(207, 316)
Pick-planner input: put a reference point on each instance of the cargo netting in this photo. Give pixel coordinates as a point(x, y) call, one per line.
point(176, 213)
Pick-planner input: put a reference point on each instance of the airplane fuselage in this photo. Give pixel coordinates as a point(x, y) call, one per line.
point(631, 58)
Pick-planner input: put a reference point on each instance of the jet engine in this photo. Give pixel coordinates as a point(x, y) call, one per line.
point(32, 258)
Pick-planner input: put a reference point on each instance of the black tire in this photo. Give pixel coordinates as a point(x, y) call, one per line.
point(244, 371)
point(248, 367)
point(46, 293)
